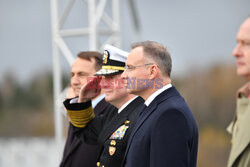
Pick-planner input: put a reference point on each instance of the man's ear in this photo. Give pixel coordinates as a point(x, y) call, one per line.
point(154, 71)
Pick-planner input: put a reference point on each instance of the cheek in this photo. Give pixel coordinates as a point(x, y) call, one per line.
point(141, 75)
point(248, 57)
point(83, 80)
point(248, 66)
point(122, 92)
point(115, 93)
point(133, 74)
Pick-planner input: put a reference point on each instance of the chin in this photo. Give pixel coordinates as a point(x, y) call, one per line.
point(132, 91)
point(76, 93)
point(129, 91)
point(242, 73)
point(108, 99)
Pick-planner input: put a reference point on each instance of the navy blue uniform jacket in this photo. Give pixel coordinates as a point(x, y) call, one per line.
point(165, 135)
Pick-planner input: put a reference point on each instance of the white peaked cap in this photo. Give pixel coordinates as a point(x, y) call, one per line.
point(113, 61)
point(116, 53)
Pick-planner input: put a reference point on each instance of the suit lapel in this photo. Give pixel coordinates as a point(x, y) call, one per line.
point(149, 110)
point(145, 114)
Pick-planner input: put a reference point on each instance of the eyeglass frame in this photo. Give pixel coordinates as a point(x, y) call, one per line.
point(127, 69)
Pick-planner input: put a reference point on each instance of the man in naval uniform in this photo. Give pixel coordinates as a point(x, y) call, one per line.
point(76, 152)
point(112, 130)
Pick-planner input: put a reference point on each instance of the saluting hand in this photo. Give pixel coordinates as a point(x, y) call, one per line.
point(90, 90)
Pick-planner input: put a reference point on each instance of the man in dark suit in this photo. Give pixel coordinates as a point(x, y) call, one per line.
point(166, 133)
point(110, 131)
point(76, 152)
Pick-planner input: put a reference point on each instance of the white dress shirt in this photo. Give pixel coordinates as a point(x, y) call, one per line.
point(156, 93)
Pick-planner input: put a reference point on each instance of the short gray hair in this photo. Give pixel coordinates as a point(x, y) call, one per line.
point(158, 53)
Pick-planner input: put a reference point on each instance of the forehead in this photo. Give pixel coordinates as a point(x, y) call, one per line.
point(135, 56)
point(244, 31)
point(81, 64)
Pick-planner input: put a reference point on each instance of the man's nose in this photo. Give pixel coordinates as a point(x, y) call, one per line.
point(124, 75)
point(75, 80)
point(237, 51)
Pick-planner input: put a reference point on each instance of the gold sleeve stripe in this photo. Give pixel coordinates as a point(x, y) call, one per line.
point(84, 113)
point(81, 118)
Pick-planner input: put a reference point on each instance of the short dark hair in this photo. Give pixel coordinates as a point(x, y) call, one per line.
point(158, 53)
point(92, 54)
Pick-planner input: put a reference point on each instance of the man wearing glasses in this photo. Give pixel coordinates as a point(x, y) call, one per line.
point(165, 133)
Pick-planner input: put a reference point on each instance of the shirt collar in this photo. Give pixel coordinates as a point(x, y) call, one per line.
point(156, 93)
point(244, 90)
point(97, 100)
point(125, 105)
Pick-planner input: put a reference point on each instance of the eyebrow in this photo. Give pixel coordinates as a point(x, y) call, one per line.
point(80, 72)
point(129, 65)
point(84, 73)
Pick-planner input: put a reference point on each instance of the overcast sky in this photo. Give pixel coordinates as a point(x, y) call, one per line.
point(198, 33)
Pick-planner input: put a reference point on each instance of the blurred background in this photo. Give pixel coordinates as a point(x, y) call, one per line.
point(200, 35)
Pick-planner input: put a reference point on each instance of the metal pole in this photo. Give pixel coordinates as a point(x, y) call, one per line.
point(92, 25)
point(96, 14)
point(116, 23)
point(56, 80)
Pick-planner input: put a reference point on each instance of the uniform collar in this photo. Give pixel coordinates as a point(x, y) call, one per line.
point(97, 100)
point(127, 103)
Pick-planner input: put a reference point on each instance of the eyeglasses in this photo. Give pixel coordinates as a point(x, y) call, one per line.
point(130, 68)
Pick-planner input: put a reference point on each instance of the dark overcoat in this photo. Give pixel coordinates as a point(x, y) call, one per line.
point(76, 152)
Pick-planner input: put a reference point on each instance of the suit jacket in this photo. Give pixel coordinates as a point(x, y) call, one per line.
point(111, 132)
point(165, 134)
point(76, 152)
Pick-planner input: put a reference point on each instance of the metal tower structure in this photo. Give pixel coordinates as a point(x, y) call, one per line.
point(96, 14)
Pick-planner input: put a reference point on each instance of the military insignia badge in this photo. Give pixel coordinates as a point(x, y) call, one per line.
point(105, 57)
point(127, 122)
point(111, 150)
point(119, 133)
point(112, 143)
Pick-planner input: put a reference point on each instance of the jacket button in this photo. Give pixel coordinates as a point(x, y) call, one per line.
point(112, 143)
point(127, 122)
